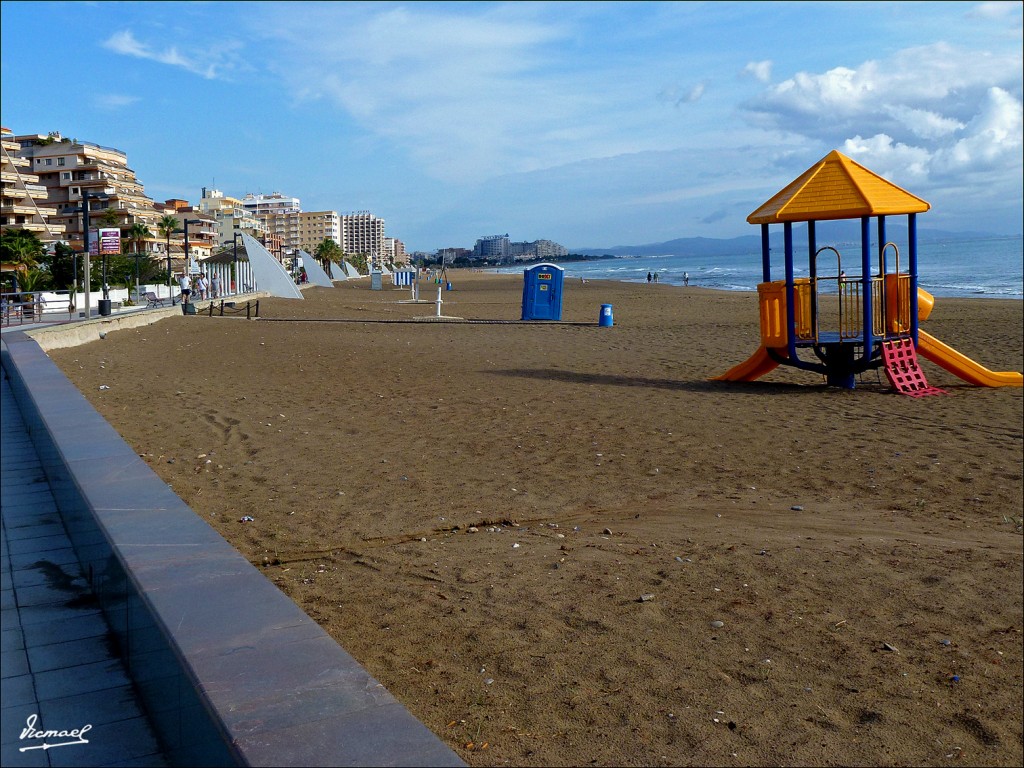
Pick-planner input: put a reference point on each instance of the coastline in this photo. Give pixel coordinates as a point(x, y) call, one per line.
point(622, 503)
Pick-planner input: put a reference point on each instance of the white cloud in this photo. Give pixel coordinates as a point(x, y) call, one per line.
point(467, 94)
point(940, 78)
point(923, 122)
point(888, 158)
point(927, 110)
point(986, 156)
point(993, 137)
point(995, 11)
point(759, 70)
point(115, 100)
point(678, 96)
point(124, 42)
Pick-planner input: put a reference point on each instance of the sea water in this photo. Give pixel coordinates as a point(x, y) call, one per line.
point(990, 268)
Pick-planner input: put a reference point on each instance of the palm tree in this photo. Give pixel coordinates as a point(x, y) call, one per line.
point(360, 262)
point(21, 246)
point(137, 234)
point(31, 280)
point(109, 217)
point(328, 252)
point(167, 226)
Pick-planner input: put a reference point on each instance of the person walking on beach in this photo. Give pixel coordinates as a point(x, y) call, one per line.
point(686, 278)
point(655, 277)
point(649, 278)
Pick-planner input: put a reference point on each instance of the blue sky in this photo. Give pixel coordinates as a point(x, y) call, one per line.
point(592, 124)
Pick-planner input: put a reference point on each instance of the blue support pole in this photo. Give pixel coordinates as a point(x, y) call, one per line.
point(881, 272)
point(766, 255)
point(912, 267)
point(812, 247)
point(865, 258)
point(790, 290)
point(812, 263)
point(865, 255)
point(881, 246)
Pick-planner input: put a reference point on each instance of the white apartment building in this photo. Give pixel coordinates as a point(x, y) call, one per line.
point(538, 249)
point(362, 232)
point(23, 198)
point(263, 205)
point(230, 216)
point(494, 247)
point(279, 213)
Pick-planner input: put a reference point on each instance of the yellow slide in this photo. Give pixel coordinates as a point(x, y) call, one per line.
point(959, 365)
point(757, 365)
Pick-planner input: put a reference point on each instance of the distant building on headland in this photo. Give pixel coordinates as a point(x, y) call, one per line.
point(538, 249)
point(492, 248)
point(498, 249)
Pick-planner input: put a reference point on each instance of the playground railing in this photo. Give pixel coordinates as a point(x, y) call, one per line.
point(833, 307)
point(851, 307)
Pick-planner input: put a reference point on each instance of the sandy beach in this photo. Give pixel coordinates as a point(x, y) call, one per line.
point(561, 544)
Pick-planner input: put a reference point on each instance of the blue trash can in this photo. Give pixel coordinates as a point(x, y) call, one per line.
point(606, 320)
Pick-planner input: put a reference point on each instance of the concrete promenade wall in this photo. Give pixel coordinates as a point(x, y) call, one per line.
point(231, 671)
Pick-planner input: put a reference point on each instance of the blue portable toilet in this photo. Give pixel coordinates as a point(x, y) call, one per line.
point(542, 292)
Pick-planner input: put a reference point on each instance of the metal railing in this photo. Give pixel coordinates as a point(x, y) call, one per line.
point(29, 307)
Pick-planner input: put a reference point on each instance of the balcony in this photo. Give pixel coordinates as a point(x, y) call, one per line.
point(17, 222)
point(18, 209)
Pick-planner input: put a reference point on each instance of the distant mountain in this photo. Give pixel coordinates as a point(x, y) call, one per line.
point(828, 233)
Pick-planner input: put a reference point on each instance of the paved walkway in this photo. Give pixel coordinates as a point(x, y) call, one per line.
point(57, 663)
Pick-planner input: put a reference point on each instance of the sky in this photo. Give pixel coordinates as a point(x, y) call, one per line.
point(594, 124)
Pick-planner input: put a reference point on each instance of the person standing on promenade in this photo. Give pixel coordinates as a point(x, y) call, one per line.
point(215, 287)
point(186, 287)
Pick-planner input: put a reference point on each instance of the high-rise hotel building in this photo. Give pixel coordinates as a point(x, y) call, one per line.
point(362, 232)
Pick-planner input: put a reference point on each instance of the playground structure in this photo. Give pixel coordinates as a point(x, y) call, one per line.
point(847, 321)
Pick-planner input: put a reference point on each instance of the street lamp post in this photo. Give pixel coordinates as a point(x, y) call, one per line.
point(170, 293)
point(86, 195)
point(137, 255)
point(188, 250)
point(103, 276)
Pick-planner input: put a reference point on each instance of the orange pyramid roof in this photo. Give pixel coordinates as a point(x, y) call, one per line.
point(837, 188)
